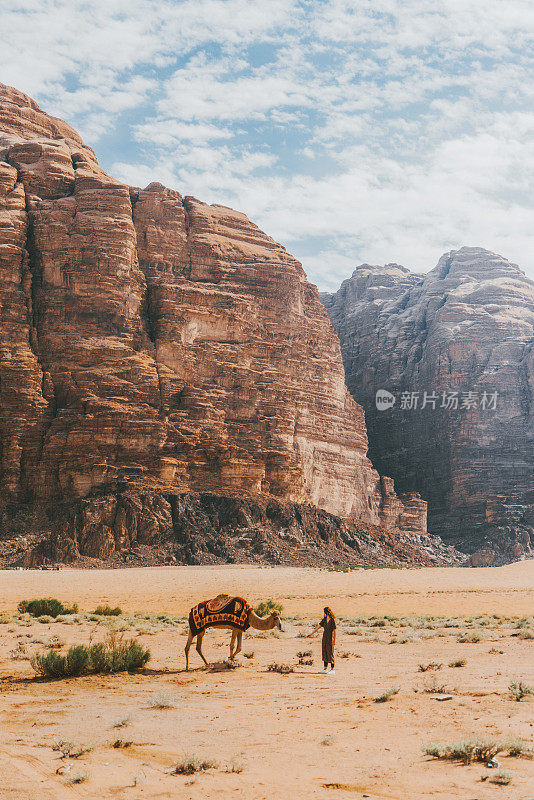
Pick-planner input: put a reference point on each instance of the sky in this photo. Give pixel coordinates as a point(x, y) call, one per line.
point(371, 131)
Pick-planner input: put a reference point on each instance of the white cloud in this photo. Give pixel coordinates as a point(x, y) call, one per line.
point(372, 131)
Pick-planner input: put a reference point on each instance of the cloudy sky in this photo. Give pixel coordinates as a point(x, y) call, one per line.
point(351, 131)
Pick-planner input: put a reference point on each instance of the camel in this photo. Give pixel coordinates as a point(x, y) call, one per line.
point(249, 619)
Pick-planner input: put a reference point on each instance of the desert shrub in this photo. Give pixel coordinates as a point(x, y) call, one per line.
point(121, 722)
point(502, 778)
point(282, 669)
point(387, 695)
point(304, 653)
point(19, 653)
point(163, 701)
point(55, 665)
point(122, 743)
point(70, 749)
point(78, 777)
point(47, 606)
point(328, 741)
point(78, 660)
point(107, 611)
point(466, 751)
point(516, 748)
point(119, 657)
point(431, 665)
point(470, 637)
point(100, 658)
point(267, 607)
point(459, 662)
point(191, 764)
point(49, 665)
point(306, 662)
point(528, 633)
point(518, 689)
point(274, 634)
point(55, 642)
point(435, 688)
point(249, 654)
point(225, 665)
point(236, 766)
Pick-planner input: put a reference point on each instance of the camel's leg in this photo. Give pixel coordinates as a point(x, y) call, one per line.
point(232, 643)
point(200, 636)
point(239, 636)
point(187, 649)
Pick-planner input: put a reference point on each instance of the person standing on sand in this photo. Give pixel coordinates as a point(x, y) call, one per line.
point(328, 624)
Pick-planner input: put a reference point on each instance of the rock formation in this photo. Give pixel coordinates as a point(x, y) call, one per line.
point(154, 347)
point(466, 326)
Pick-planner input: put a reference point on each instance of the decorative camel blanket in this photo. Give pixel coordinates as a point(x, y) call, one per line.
point(222, 610)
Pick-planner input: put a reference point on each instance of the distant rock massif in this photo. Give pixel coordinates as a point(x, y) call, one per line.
point(170, 385)
point(465, 327)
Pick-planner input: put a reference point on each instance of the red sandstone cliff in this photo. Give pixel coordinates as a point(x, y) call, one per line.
point(154, 346)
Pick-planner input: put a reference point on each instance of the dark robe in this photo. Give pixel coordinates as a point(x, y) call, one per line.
point(328, 625)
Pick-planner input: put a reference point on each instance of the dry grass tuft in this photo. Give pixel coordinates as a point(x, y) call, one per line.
point(282, 669)
point(190, 764)
point(482, 750)
point(70, 749)
point(518, 690)
point(163, 701)
point(387, 695)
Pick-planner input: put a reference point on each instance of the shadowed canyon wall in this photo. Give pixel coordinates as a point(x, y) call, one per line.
point(466, 326)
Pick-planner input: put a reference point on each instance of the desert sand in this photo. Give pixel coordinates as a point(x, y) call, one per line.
point(301, 735)
point(503, 590)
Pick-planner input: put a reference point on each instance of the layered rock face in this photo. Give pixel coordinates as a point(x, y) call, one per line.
point(466, 326)
point(159, 346)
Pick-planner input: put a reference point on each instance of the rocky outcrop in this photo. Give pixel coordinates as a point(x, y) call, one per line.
point(132, 529)
point(465, 327)
point(158, 346)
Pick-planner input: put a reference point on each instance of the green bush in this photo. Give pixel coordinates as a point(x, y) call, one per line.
point(51, 664)
point(77, 660)
point(97, 658)
point(47, 606)
point(267, 607)
point(108, 611)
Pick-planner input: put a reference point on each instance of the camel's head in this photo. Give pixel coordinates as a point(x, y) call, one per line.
point(277, 622)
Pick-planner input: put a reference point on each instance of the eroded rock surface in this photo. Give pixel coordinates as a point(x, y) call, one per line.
point(466, 326)
point(155, 345)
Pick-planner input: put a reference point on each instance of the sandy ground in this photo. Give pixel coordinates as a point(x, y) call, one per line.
point(503, 590)
point(301, 735)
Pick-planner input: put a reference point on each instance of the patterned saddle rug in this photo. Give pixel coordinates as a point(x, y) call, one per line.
point(222, 610)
